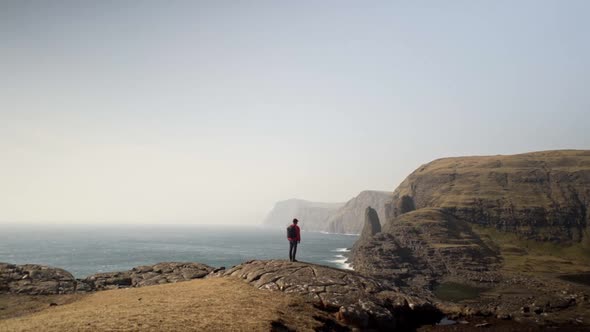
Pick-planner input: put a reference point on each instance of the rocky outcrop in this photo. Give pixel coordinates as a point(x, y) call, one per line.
point(312, 215)
point(372, 225)
point(422, 246)
point(447, 223)
point(35, 280)
point(148, 275)
point(541, 195)
point(349, 218)
point(38, 279)
point(356, 299)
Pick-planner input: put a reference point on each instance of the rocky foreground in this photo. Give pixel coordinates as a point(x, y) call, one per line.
point(33, 279)
point(353, 299)
point(205, 304)
point(347, 297)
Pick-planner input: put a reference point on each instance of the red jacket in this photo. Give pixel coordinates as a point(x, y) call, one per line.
point(298, 232)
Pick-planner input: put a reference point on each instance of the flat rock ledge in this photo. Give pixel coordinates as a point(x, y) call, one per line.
point(356, 299)
point(33, 279)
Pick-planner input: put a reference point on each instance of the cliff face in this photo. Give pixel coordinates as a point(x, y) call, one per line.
point(312, 215)
point(430, 228)
point(349, 218)
point(421, 246)
point(330, 217)
point(542, 195)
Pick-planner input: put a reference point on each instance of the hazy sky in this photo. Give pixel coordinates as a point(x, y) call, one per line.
point(209, 112)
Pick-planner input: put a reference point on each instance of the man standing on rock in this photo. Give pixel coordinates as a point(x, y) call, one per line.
point(294, 237)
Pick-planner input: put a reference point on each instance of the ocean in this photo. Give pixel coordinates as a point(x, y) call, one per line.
point(85, 250)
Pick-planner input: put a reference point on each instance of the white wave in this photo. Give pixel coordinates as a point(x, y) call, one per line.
point(341, 250)
point(350, 234)
point(342, 263)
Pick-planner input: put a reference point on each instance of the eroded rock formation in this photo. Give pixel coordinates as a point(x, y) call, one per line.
point(421, 246)
point(372, 224)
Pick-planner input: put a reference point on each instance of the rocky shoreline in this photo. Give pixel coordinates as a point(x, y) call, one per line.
point(354, 299)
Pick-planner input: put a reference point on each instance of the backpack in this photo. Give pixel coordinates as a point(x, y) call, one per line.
point(291, 232)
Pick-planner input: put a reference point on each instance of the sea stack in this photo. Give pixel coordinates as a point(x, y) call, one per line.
point(372, 224)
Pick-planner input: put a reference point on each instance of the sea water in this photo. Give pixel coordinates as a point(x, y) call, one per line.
point(85, 250)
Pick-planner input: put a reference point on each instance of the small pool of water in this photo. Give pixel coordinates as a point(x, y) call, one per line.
point(453, 291)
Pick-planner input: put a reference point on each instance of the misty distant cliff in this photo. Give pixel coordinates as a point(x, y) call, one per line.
point(350, 218)
point(330, 217)
point(312, 215)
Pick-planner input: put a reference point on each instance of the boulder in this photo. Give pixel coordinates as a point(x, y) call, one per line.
point(35, 280)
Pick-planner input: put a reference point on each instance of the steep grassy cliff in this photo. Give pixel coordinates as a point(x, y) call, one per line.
point(540, 195)
point(480, 218)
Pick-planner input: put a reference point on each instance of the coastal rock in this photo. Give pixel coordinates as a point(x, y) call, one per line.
point(148, 275)
point(404, 205)
point(35, 279)
point(372, 226)
point(422, 246)
point(357, 299)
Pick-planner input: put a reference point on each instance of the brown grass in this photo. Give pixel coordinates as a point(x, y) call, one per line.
point(457, 181)
point(535, 257)
point(216, 304)
point(20, 305)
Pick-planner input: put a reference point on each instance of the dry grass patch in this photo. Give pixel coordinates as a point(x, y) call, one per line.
point(20, 305)
point(216, 304)
point(530, 256)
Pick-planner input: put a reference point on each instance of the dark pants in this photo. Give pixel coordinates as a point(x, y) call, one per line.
point(292, 250)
